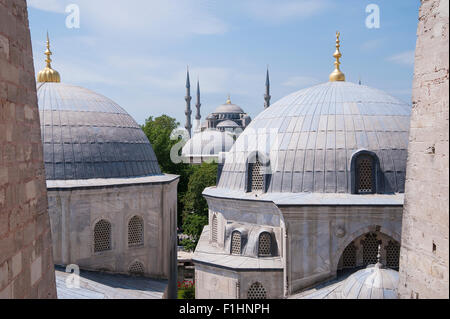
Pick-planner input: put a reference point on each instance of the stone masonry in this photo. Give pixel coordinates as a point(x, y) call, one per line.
point(424, 257)
point(26, 263)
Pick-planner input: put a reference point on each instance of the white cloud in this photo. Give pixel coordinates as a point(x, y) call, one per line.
point(47, 5)
point(300, 81)
point(405, 58)
point(278, 11)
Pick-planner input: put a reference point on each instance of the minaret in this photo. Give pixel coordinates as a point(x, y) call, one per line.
point(267, 96)
point(48, 74)
point(198, 117)
point(337, 75)
point(188, 99)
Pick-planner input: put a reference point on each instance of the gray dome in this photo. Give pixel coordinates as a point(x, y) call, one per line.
point(310, 136)
point(227, 123)
point(373, 282)
point(207, 143)
point(228, 108)
point(86, 135)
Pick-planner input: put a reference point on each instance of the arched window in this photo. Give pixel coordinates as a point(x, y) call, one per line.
point(349, 256)
point(102, 236)
point(136, 268)
point(214, 226)
point(365, 174)
point(256, 291)
point(265, 245)
point(255, 178)
point(370, 249)
point(135, 232)
point(236, 243)
point(392, 254)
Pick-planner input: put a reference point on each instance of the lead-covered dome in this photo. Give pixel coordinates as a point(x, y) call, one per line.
point(86, 135)
point(208, 143)
point(310, 137)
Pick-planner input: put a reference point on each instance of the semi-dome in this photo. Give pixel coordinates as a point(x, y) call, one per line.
point(227, 124)
point(311, 135)
point(86, 135)
point(373, 282)
point(208, 143)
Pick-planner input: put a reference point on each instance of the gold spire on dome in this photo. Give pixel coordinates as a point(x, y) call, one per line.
point(337, 75)
point(228, 99)
point(48, 74)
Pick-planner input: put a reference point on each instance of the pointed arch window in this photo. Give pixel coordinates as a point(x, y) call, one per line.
point(257, 291)
point(214, 228)
point(257, 178)
point(365, 167)
point(236, 243)
point(135, 231)
point(102, 236)
point(265, 245)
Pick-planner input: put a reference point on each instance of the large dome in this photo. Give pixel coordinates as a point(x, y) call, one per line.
point(310, 137)
point(86, 135)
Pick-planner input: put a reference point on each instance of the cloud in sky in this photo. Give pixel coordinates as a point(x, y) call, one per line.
point(404, 58)
point(282, 10)
point(300, 82)
point(150, 17)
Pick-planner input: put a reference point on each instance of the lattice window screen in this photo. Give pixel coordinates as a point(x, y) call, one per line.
point(257, 178)
point(365, 174)
point(392, 254)
point(265, 245)
point(136, 268)
point(102, 236)
point(135, 232)
point(257, 291)
point(349, 256)
point(370, 249)
point(214, 229)
point(236, 243)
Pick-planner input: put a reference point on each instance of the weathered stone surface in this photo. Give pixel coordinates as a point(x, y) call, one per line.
point(24, 271)
point(424, 253)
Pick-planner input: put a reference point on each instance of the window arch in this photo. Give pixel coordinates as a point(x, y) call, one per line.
point(102, 236)
point(265, 244)
point(214, 228)
point(257, 291)
point(236, 243)
point(257, 178)
point(136, 268)
point(392, 254)
point(135, 231)
point(364, 171)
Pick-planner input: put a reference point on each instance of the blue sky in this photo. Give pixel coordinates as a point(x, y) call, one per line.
point(136, 51)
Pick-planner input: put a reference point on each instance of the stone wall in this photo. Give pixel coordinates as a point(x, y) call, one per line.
point(26, 263)
point(424, 253)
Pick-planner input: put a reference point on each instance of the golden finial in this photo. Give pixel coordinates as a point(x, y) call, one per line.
point(228, 99)
point(48, 74)
point(337, 75)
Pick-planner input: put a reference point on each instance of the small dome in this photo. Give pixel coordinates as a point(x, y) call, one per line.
point(86, 135)
point(227, 123)
point(207, 143)
point(228, 107)
point(373, 282)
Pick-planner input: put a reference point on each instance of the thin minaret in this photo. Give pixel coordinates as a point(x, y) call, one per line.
point(267, 96)
point(188, 99)
point(198, 116)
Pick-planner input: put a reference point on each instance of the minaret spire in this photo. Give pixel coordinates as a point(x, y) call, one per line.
point(198, 116)
point(188, 99)
point(267, 96)
point(337, 75)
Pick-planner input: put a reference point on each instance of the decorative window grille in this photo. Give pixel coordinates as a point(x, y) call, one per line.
point(102, 236)
point(135, 231)
point(370, 249)
point(265, 245)
point(256, 176)
point(364, 175)
point(349, 256)
point(214, 229)
point(236, 243)
point(136, 268)
point(392, 254)
point(257, 291)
